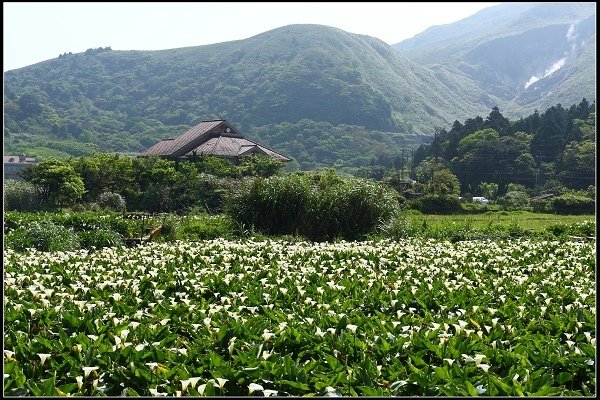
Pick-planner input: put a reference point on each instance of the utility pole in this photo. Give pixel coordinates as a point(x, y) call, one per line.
point(402, 164)
point(435, 152)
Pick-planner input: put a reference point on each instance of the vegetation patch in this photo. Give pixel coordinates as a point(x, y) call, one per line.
point(413, 317)
point(318, 206)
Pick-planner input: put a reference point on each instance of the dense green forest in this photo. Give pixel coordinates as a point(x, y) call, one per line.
point(547, 151)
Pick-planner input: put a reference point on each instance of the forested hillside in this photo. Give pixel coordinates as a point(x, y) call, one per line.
point(325, 97)
point(127, 100)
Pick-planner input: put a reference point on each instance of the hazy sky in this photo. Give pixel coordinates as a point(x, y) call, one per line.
point(35, 32)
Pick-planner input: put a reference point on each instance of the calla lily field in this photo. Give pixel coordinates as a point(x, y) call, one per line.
point(276, 317)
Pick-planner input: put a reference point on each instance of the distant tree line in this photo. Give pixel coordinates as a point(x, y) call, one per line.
point(542, 151)
point(142, 183)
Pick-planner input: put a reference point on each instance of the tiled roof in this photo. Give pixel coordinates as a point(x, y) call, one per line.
point(182, 144)
point(163, 148)
point(233, 146)
point(193, 137)
point(214, 137)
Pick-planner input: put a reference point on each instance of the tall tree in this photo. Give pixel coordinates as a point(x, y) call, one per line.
point(57, 182)
point(497, 121)
point(549, 140)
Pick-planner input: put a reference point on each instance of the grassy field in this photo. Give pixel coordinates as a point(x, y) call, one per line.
point(524, 219)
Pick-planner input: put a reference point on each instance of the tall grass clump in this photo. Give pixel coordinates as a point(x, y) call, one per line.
point(100, 238)
point(275, 205)
point(42, 236)
point(20, 196)
point(319, 206)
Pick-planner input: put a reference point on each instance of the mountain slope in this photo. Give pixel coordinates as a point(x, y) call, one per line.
point(528, 55)
point(284, 75)
point(127, 100)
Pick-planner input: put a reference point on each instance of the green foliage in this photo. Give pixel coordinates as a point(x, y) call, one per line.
point(489, 190)
point(276, 205)
point(76, 221)
point(56, 181)
point(541, 205)
point(253, 165)
point(476, 140)
point(205, 227)
point(475, 152)
point(400, 227)
point(216, 166)
point(573, 204)
point(586, 229)
point(577, 163)
point(20, 196)
point(316, 145)
point(443, 183)
point(42, 236)
point(262, 166)
point(428, 167)
point(514, 200)
point(100, 238)
point(515, 187)
point(112, 201)
point(318, 206)
point(105, 172)
point(434, 204)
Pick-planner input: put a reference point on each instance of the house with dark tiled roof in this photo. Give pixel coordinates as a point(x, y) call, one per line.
point(212, 137)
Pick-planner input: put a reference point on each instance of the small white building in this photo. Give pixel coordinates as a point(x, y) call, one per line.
point(14, 164)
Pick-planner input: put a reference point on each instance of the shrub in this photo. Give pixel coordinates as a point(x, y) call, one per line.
point(91, 221)
point(514, 200)
point(579, 229)
point(558, 230)
point(541, 205)
point(400, 227)
point(437, 205)
point(572, 204)
point(319, 206)
point(263, 166)
point(112, 201)
point(100, 238)
point(20, 196)
point(43, 236)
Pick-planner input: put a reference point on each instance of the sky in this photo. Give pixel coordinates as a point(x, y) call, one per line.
point(35, 32)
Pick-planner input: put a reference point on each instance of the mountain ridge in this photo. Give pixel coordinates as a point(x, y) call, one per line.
point(308, 80)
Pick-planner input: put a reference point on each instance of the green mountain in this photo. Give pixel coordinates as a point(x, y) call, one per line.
point(128, 100)
point(323, 96)
point(527, 55)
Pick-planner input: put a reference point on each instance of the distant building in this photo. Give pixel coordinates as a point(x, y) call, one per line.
point(15, 164)
point(213, 137)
